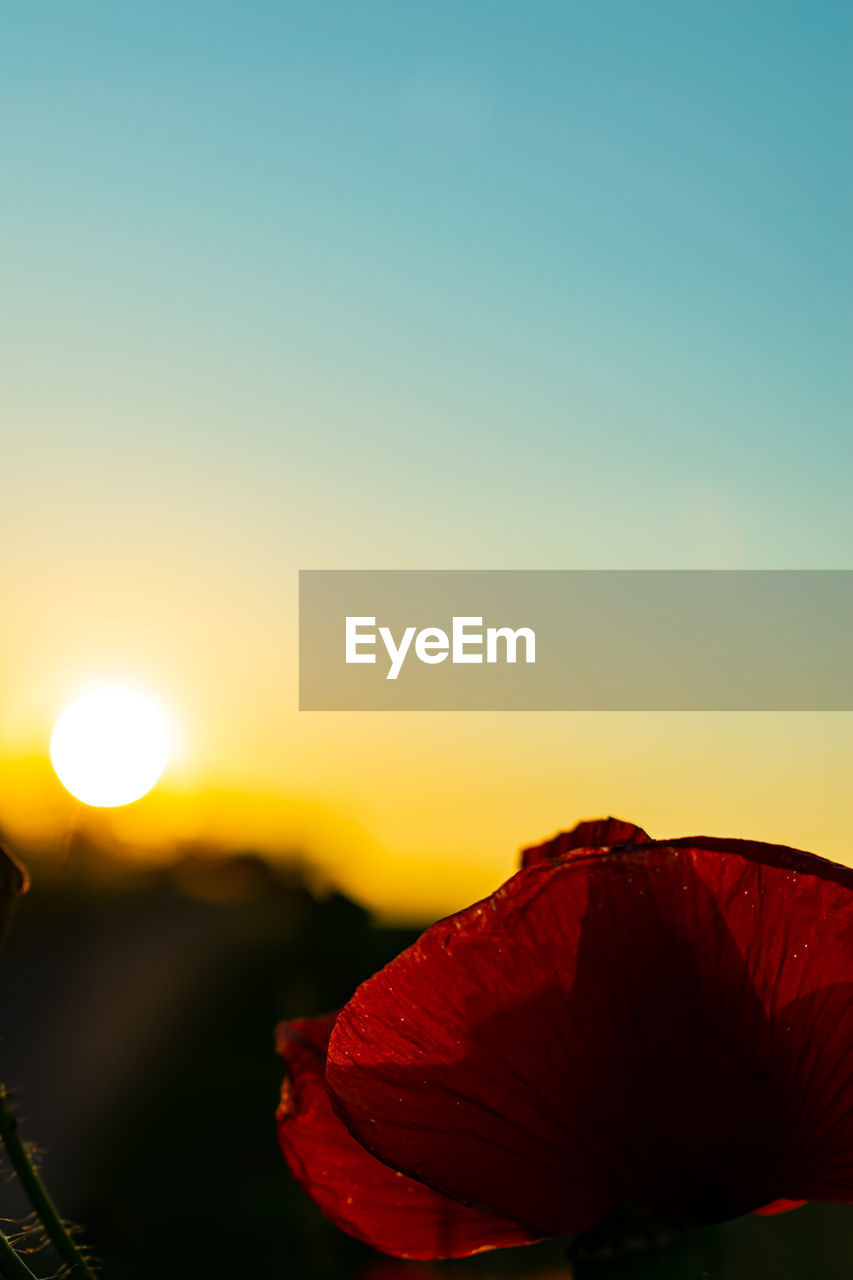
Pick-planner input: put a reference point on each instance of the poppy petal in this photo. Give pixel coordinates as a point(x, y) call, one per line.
point(383, 1208)
point(601, 833)
point(780, 1206)
point(666, 1025)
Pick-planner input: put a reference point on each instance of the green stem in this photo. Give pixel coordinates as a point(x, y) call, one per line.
point(36, 1192)
point(12, 1265)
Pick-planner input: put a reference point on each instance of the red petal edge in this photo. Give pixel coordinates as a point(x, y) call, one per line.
point(779, 1206)
point(599, 833)
point(362, 1196)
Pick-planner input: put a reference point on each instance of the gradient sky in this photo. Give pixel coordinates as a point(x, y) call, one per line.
point(426, 285)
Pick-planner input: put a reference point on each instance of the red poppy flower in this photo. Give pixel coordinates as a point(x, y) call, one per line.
point(378, 1205)
point(626, 1021)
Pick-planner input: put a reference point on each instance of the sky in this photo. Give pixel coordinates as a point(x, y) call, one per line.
point(412, 285)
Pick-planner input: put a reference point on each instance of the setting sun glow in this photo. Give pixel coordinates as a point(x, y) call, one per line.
point(109, 747)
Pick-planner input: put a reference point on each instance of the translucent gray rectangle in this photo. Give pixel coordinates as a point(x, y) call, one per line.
point(603, 640)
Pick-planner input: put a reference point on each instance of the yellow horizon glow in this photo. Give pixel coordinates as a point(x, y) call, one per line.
point(417, 816)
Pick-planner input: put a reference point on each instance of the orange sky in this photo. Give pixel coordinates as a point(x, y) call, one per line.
point(417, 814)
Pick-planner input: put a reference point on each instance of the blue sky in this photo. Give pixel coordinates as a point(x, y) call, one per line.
point(503, 267)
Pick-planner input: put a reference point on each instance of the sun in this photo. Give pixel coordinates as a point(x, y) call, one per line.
point(109, 747)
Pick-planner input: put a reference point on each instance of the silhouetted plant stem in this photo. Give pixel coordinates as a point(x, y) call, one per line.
point(54, 1228)
point(12, 1265)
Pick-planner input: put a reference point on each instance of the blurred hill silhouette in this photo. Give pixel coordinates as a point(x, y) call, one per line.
point(136, 1027)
